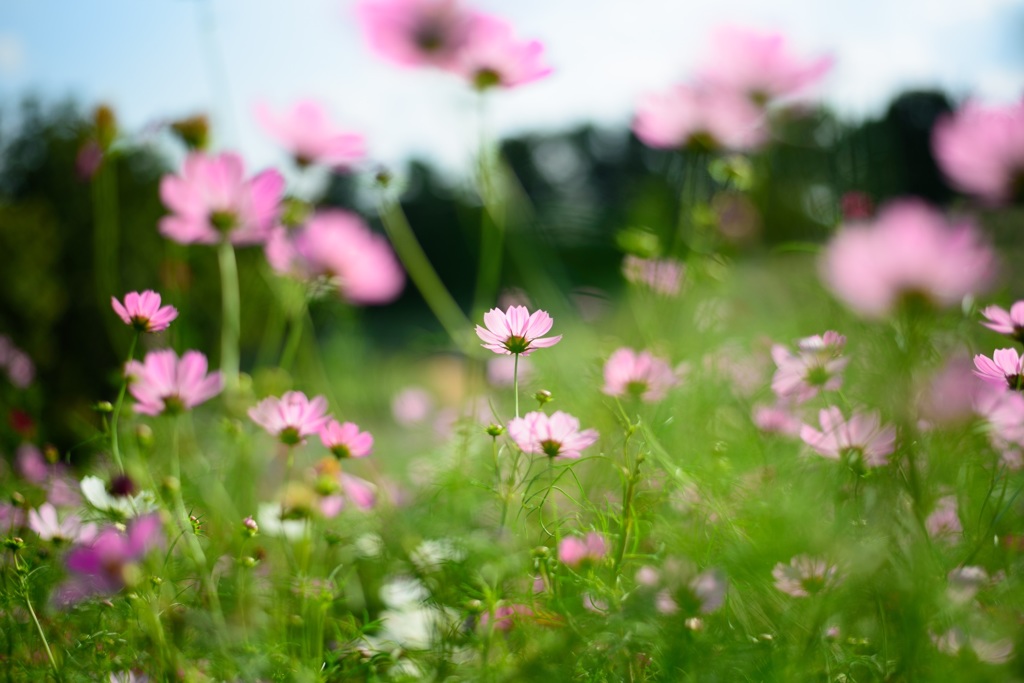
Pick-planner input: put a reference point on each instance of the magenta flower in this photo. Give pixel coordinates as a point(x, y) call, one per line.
point(817, 366)
point(50, 527)
point(663, 276)
point(516, 331)
point(345, 440)
point(163, 384)
point(212, 200)
point(1010, 323)
point(306, 131)
point(701, 116)
point(493, 57)
point(558, 436)
point(144, 312)
point(910, 250)
point(1005, 368)
point(338, 245)
point(417, 32)
point(574, 551)
point(292, 417)
point(805, 576)
point(981, 150)
point(861, 439)
point(638, 374)
point(759, 65)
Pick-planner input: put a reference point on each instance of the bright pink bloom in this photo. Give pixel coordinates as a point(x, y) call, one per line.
point(493, 57)
point(417, 32)
point(663, 276)
point(164, 384)
point(212, 200)
point(909, 250)
point(861, 438)
point(144, 312)
point(817, 366)
point(558, 436)
point(1010, 323)
point(338, 245)
point(516, 331)
point(1004, 369)
point(981, 150)
point(701, 116)
point(759, 65)
point(805, 576)
point(574, 551)
point(306, 131)
point(628, 373)
point(50, 527)
point(292, 417)
point(345, 440)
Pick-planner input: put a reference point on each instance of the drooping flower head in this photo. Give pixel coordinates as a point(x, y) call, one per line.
point(345, 440)
point(212, 201)
point(307, 133)
point(805, 576)
point(516, 331)
point(817, 366)
point(292, 417)
point(339, 246)
point(163, 384)
point(1010, 323)
point(861, 440)
point(574, 551)
point(1004, 369)
point(143, 311)
point(558, 436)
point(628, 373)
point(417, 32)
point(494, 57)
point(981, 150)
point(909, 251)
point(704, 117)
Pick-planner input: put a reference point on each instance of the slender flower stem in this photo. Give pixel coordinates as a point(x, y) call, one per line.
point(35, 619)
point(114, 446)
point(231, 323)
point(515, 381)
point(295, 325)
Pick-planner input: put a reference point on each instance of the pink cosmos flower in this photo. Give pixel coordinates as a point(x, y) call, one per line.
point(212, 200)
point(759, 65)
point(638, 374)
point(981, 150)
point(777, 419)
point(516, 331)
point(950, 395)
point(306, 131)
point(50, 527)
point(805, 576)
point(343, 488)
point(340, 246)
point(909, 250)
point(1004, 412)
point(861, 438)
point(292, 417)
point(144, 312)
point(663, 276)
point(558, 436)
point(574, 551)
point(163, 384)
point(1010, 323)
point(493, 57)
point(817, 366)
point(1004, 369)
point(345, 440)
point(944, 522)
point(417, 32)
point(701, 116)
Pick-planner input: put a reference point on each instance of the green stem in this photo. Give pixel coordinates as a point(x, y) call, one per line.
point(114, 447)
point(515, 381)
point(231, 323)
point(35, 619)
point(422, 273)
point(291, 346)
point(627, 513)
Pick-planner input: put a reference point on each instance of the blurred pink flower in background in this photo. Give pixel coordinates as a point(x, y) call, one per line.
point(516, 331)
point(163, 384)
point(981, 150)
point(817, 366)
point(1004, 412)
point(412, 406)
point(804, 576)
point(48, 525)
point(777, 419)
point(862, 436)
point(20, 368)
point(505, 616)
point(558, 436)
point(494, 57)
point(909, 250)
point(943, 524)
point(292, 417)
point(1010, 323)
point(501, 370)
point(758, 65)
point(339, 245)
point(417, 32)
point(143, 311)
point(950, 395)
point(1004, 369)
point(628, 373)
point(212, 200)
point(701, 116)
point(345, 440)
point(306, 131)
point(574, 551)
point(663, 276)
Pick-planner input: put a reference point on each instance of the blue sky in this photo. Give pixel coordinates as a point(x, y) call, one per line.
point(159, 59)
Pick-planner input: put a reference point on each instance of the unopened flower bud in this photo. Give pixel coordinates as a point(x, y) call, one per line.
point(197, 526)
point(249, 527)
point(103, 407)
point(51, 454)
point(249, 562)
point(14, 543)
point(144, 435)
point(541, 551)
point(494, 430)
point(543, 396)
